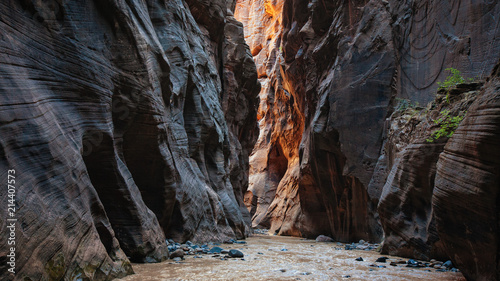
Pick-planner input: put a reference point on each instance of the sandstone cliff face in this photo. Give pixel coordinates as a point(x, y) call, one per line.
point(335, 72)
point(466, 197)
point(120, 121)
point(405, 205)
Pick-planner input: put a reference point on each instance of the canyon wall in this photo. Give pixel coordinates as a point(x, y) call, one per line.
point(336, 71)
point(466, 199)
point(126, 122)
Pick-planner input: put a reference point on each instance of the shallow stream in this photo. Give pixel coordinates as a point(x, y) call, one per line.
point(287, 258)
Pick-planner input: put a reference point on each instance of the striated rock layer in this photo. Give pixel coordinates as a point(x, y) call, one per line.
point(332, 71)
point(126, 122)
point(405, 206)
point(467, 194)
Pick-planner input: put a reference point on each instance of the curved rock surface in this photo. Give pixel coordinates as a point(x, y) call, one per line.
point(405, 206)
point(331, 78)
point(467, 193)
point(119, 120)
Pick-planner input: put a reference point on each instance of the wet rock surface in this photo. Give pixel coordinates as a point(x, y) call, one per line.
point(305, 259)
point(124, 120)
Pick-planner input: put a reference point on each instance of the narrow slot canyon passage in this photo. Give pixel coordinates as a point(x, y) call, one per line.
point(320, 168)
point(250, 140)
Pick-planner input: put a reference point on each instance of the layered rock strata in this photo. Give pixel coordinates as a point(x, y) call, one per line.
point(334, 70)
point(405, 206)
point(466, 197)
point(119, 120)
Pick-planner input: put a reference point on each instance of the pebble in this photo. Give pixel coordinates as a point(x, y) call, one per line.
point(382, 259)
point(359, 259)
point(324, 238)
point(235, 253)
point(414, 263)
point(448, 264)
point(284, 250)
point(177, 254)
point(215, 250)
point(346, 276)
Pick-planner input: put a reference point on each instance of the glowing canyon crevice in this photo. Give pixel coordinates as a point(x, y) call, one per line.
point(333, 155)
point(130, 122)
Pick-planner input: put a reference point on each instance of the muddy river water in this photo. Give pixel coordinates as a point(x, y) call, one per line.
point(286, 258)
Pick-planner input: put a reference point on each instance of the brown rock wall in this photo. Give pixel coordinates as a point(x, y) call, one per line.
point(466, 196)
point(331, 72)
point(116, 118)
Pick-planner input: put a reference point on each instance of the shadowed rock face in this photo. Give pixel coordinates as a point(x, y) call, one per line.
point(331, 78)
point(466, 197)
point(119, 120)
point(405, 206)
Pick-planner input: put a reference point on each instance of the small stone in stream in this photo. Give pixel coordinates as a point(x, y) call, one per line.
point(323, 238)
point(348, 247)
point(413, 263)
point(170, 241)
point(259, 253)
point(393, 263)
point(284, 250)
point(448, 264)
point(215, 250)
point(362, 241)
point(216, 256)
point(346, 276)
point(177, 254)
point(441, 270)
point(177, 259)
point(235, 254)
point(283, 270)
point(382, 259)
point(240, 242)
point(224, 252)
point(306, 273)
point(359, 259)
